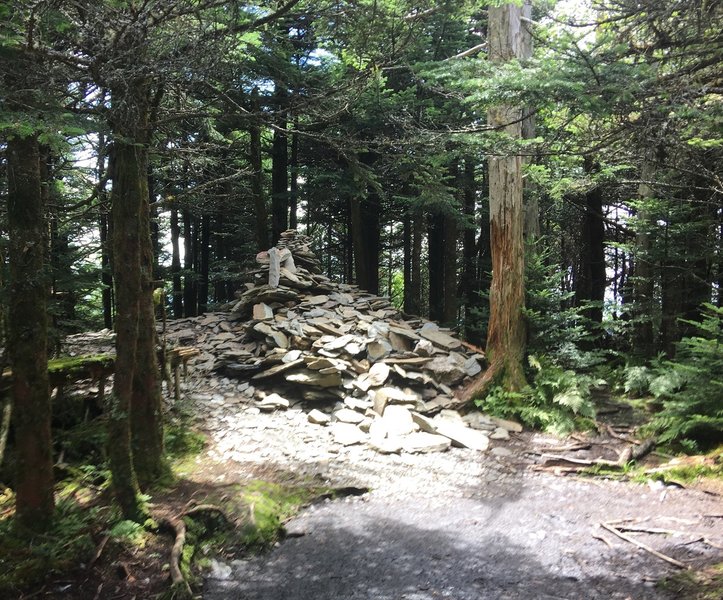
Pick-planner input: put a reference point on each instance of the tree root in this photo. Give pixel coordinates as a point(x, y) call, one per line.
point(179, 585)
point(479, 386)
point(578, 464)
point(180, 589)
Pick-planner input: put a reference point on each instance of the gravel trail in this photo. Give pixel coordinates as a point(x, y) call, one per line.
point(461, 524)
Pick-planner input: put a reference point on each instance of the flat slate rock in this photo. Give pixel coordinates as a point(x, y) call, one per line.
point(459, 434)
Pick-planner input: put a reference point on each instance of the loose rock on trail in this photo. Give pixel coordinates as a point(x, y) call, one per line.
point(323, 381)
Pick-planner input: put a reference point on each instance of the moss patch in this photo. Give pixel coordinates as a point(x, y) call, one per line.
point(270, 505)
point(706, 584)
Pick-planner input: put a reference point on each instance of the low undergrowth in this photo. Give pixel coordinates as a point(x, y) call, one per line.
point(27, 558)
point(558, 400)
point(705, 584)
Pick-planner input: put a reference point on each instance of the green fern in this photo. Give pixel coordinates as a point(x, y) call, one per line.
point(637, 381)
point(691, 389)
point(557, 401)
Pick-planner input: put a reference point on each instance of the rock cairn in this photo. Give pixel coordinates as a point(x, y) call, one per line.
point(372, 373)
point(358, 365)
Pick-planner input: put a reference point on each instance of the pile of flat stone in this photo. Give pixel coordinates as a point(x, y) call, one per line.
point(373, 374)
point(356, 364)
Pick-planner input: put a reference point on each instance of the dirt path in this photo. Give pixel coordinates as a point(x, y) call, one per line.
point(460, 524)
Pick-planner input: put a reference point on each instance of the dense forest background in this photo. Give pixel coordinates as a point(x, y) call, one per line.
point(154, 145)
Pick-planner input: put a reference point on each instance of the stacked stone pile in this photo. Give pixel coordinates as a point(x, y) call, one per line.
point(359, 366)
point(373, 374)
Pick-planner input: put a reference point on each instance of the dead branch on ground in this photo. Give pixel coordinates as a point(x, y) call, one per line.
point(643, 546)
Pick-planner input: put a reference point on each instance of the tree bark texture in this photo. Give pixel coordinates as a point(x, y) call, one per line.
point(189, 261)
point(415, 291)
point(129, 178)
point(27, 335)
point(435, 241)
point(449, 308)
point(591, 277)
point(146, 403)
point(643, 286)
point(365, 240)
point(204, 262)
point(506, 331)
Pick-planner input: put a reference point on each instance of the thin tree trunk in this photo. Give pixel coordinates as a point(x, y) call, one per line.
point(407, 269)
point(27, 335)
point(105, 231)
point(470, 280)
point(435, 262)
point(205, 250)
point(357, 234)
point(449, 313)
point(644, 286)
point(415, 292)
point(279, 176)
point(294, 184)
point(189, 261)
point(153, 224)
point(365, 240)
point(177, 293)
point(257, 179)
point(591, 276)
point(449, 236)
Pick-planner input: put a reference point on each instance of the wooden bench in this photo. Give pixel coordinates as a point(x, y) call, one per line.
point(98, 367)
point(69, 369)
point(178, 357)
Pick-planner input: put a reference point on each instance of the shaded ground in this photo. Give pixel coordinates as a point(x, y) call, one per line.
point(460, 524)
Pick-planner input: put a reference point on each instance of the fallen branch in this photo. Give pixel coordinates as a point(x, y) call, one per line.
point(703, 540)
point(568, 448)
point(99, 550)
point(602, 539)
point(643, 546)
point(630, 453)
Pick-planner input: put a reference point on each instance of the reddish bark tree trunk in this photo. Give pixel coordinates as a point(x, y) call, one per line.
point(506, 331)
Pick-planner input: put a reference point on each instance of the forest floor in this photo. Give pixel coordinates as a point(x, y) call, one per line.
point(459, 524)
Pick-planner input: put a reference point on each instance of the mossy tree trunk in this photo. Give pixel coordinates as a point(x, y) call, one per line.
point(27, 334)
point(131, 233)
point(146, 402)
